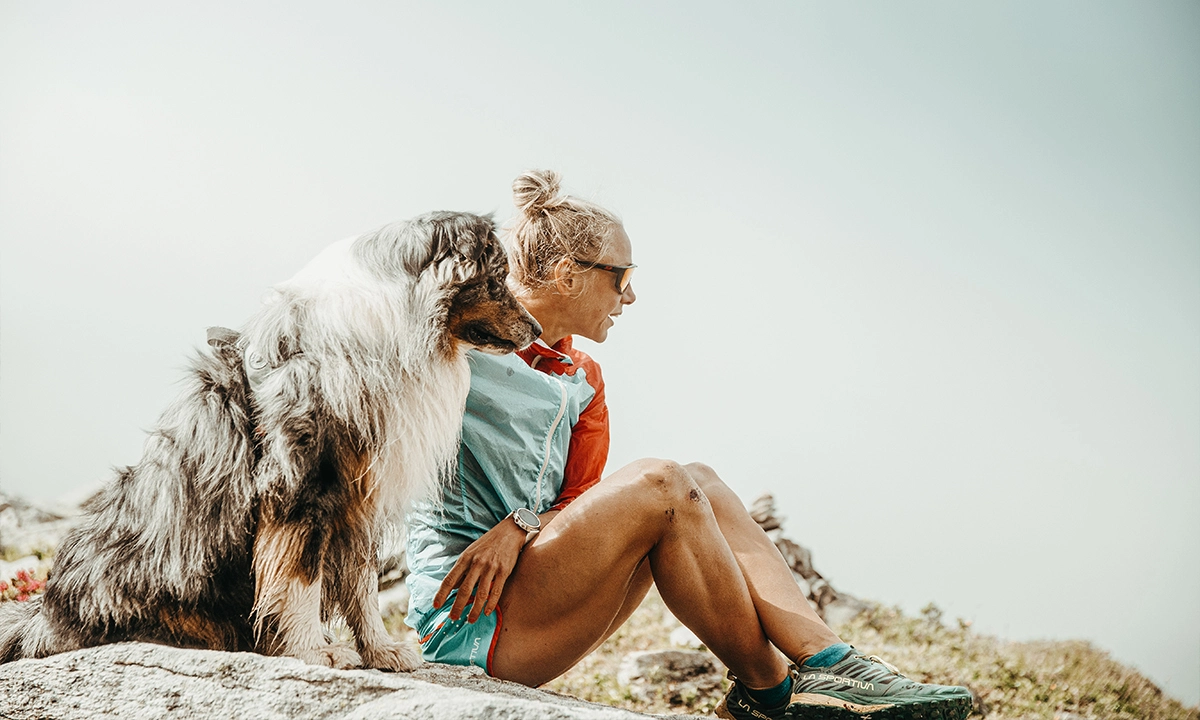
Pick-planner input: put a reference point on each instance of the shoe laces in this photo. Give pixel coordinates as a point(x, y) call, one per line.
point(881, 661)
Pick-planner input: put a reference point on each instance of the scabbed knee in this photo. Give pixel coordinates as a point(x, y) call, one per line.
point(671, 483)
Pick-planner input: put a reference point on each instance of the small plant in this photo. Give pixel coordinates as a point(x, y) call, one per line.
point(932, 613)
point(22, 587)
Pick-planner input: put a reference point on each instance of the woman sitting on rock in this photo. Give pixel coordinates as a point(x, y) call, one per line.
point(523, 573)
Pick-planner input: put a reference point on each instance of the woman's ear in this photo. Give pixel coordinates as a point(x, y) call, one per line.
point(565, 277)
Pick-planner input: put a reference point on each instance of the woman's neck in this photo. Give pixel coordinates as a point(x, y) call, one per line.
point(545, 310)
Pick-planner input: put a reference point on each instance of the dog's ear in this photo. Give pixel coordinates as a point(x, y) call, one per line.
point(412, 247)
point(468, 239)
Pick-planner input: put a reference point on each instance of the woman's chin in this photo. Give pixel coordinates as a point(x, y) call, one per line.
point(600, 332)
point(598, 336)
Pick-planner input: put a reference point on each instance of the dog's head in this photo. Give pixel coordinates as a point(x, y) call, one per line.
point(456, 260)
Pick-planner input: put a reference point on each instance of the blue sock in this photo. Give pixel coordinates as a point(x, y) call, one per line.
point(774, 696)
point(828, 657)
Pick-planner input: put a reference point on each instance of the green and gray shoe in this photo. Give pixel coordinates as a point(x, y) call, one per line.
point(864, 686)
point(738, 705)
point(858, 687)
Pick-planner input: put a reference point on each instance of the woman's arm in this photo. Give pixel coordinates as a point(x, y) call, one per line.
point(482, 569)
point(588, 450)
point(480, 572)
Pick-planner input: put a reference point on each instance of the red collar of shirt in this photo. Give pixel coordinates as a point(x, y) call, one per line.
point(540, 352)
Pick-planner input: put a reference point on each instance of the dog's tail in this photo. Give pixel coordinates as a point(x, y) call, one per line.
point(24, 631)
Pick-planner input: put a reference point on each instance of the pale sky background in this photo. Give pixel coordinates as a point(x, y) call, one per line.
point(929, 272)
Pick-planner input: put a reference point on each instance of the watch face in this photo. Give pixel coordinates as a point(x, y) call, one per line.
point(527, 517)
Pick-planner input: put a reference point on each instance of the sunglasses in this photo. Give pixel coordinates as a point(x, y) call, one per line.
point(623, 273)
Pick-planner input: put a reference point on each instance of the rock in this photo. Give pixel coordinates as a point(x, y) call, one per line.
point(394, 600)
point(673, 676)
point(393, 566)
point(843, 609)
point(137, 681)
point(816, 588)
point(26, 529)
point(683, 636)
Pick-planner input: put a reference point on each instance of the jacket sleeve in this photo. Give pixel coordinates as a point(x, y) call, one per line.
point(587, 452)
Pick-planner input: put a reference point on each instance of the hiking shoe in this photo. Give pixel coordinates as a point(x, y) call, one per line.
point(738, 705)
point(864, 686)
point(858, 687)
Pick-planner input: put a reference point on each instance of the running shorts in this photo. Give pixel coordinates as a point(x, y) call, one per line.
point(456, 642)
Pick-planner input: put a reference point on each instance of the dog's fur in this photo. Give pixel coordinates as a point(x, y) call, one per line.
point(256, 510)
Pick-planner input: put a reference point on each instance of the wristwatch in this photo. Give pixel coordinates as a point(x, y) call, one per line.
point(527, 520)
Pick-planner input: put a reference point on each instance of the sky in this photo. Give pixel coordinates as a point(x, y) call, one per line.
point(928, 272)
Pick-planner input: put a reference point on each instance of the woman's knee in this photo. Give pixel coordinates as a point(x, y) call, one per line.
point(666, 480)
point(713, 487)
point(704, 475)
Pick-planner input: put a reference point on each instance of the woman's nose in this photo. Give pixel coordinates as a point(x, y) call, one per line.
point(629, 295)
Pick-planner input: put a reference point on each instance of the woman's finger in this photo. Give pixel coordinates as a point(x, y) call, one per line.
point(497, 590)
point(466, 591)
point(482, 592)
point(448, 583)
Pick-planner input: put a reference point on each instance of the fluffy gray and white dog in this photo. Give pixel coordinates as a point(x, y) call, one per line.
point(257, 507)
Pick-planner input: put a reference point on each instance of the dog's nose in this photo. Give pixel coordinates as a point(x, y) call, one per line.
point(537, 329)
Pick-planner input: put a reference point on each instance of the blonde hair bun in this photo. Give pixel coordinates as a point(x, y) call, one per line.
point(550, 227)
point(537, 191)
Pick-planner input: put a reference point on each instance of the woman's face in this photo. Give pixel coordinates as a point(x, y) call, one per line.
point(599, 301)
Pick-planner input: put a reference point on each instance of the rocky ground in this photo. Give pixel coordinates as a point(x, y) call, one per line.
point(651, 665)
point(136, 681)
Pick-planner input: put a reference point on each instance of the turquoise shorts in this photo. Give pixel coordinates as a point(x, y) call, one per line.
point(456, 642)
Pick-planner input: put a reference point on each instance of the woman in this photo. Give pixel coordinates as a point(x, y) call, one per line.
point(523, 573)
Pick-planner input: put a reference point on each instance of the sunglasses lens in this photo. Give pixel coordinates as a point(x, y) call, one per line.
point(624, 279)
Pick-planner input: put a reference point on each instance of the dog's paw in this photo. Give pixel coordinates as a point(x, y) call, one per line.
point(397, 657)
point(335, 655)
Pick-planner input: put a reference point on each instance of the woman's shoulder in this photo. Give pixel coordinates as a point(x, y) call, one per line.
point(582, 361)
point(560, 359)
point(581, 358)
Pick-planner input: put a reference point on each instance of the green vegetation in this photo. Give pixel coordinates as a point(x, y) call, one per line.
point(1011, 680)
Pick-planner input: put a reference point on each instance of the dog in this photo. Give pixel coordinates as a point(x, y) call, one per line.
point(257, 507)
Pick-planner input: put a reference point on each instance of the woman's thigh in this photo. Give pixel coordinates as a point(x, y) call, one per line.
point(584, 571)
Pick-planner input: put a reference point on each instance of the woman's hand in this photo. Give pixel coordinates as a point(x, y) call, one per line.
point(480, 572)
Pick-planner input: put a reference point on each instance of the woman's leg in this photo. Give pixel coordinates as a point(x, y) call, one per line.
point(786, 615)
point(581, 574)
point(642, 580)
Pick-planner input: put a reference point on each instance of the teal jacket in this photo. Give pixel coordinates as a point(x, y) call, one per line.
point(535, 435)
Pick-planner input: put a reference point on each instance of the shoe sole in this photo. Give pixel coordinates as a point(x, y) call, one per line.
point(810, 706)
